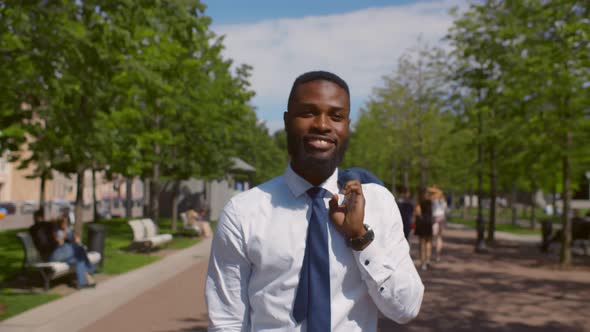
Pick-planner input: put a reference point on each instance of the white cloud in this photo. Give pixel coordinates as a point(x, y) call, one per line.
point(359, 46)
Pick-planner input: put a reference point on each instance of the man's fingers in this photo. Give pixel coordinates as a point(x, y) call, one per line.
point(333, 202)
point(353, 186)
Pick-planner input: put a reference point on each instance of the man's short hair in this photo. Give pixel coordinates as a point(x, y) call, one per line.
point(317, 76)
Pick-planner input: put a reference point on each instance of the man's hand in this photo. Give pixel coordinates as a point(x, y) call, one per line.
point(348, 217)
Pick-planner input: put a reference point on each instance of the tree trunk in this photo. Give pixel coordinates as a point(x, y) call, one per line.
point(513, 205)
point(423, 174)
point(94, 201)
point(154, 191)
point(493, 193)
point(78, 212)
point(146, 196)
point(42, 193)
point(566, 240)
point(466, 203)
point(480, 244)
point(533, 209)
point(407, 174)
point(155, 188)
point(554, 201)
point(128, 197)
point(175, 199)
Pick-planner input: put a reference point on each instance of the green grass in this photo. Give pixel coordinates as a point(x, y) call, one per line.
point(118, 259)
point(11, 253)
point(508, 228)
point(15, 302)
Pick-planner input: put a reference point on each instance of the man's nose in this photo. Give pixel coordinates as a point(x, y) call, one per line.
point(322, 122)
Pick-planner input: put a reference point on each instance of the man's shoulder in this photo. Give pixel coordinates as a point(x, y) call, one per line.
point(377, 190)
point(259, 194)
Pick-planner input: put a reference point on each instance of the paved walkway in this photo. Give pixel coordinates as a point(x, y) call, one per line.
point(81, 309)
point(512, 288)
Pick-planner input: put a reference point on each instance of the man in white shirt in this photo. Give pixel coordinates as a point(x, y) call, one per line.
point(259, 245)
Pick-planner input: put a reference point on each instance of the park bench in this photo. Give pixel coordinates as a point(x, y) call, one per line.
point(48, 270)
point(580, 235)
point(145, 234)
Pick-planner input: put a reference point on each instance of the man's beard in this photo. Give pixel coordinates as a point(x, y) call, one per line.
point(323, 167)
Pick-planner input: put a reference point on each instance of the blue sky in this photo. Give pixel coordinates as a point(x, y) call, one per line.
point(359, 40)
point(237, 11)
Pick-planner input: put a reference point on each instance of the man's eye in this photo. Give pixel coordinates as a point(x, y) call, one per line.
point(337, 117)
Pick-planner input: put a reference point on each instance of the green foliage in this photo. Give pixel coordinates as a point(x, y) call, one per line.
point(404, 133)
point(138, 88)
point(262, 151)
point(525, 66)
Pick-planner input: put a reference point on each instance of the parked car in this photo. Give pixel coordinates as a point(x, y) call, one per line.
point(9, 207)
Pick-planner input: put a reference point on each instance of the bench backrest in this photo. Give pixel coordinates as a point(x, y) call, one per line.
point(32, 255)
point(151, 229)
point(138, 230)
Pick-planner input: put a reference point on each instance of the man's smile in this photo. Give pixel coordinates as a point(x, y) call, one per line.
point(319, 143)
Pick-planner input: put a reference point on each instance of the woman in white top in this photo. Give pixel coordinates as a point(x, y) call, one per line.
point(439, 209)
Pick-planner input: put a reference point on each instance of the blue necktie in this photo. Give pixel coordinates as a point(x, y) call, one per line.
point(312, 300)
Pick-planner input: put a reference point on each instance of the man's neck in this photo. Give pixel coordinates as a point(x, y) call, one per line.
point(314, 179)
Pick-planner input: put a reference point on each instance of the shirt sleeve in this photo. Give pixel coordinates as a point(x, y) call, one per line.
point(226, 289)
point(386, 265)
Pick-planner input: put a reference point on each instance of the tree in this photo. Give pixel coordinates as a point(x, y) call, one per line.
point(409, 119)
point(525, 62)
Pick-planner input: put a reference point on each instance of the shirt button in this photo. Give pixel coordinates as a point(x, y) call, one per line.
point(367, 262)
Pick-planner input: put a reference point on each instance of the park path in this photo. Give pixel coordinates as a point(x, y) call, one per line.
point(512, 288)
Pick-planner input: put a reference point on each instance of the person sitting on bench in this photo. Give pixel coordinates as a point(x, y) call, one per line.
point(42, 235)
point(70, 251)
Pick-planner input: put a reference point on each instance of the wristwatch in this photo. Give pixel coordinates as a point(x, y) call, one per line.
point(361, 241)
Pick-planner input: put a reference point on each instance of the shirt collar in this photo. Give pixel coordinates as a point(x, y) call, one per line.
point(299, 185)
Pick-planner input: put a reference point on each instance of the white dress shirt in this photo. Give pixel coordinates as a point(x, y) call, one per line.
point(257, 254)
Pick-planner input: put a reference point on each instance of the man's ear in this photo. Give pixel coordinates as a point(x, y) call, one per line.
point(285, 119)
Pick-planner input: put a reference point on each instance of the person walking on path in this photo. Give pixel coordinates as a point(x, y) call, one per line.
point(439, 210)
point(406, 208)
point(423, 222)
point(301, 253)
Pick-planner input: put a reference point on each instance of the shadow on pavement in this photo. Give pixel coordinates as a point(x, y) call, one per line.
point(512, 288)
point(197, 325)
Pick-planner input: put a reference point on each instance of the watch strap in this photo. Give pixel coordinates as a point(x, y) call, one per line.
point(361, 241)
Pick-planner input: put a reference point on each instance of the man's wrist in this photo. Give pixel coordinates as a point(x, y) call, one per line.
point(362, 241)
point(359, 232)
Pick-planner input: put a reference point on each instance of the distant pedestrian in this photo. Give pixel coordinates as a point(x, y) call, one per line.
point(423, 222)
point(439, 211)
point(406, 208)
